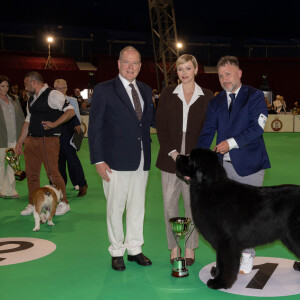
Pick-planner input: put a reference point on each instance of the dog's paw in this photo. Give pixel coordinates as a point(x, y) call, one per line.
point(213, 271)
point(36, 229)
point(50, 223)
point(296, 266)
point(217, 284)
point(43, 218)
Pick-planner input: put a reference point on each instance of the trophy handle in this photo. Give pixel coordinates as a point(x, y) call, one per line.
point(191, 229)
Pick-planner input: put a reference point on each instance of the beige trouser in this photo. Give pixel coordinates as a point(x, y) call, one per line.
point(126, 188)
point(172, 186)
point(7, 175)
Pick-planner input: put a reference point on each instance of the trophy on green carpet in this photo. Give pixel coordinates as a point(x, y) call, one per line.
point(181, 228)
point(14, 162)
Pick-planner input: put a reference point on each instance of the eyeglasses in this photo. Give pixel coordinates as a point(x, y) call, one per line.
point(60, 88)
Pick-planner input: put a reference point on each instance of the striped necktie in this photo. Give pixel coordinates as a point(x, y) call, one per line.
point(232, 97)
point(136, 102)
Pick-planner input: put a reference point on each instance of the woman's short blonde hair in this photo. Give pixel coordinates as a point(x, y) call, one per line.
point(186, 58)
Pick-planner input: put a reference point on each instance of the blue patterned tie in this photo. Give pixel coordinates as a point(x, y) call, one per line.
point(136, 102)
point(232, 97)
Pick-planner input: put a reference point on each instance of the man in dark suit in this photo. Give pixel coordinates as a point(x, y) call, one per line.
point(238, 115)
point(119, 139)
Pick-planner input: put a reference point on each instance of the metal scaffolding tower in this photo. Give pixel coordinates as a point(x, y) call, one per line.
point(164, 36)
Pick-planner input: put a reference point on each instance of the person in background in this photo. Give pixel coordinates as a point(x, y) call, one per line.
point(120, 147)
point(47, 110)
point(67, 153)
point(11, 122)
point(78, 96)
point(296, 109)
point(23, 97)
point(155, 98)
point(179, 120)
point(15, 90)
point(238, 115)
point(84, 110)
point(279, 104)
point(90, 97)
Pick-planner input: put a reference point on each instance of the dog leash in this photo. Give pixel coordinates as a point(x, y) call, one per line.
point(50, 176)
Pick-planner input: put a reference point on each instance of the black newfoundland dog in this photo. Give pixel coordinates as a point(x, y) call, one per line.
point(232, 216)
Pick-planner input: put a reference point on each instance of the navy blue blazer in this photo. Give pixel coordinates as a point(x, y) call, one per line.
point(243, 126)
point(115, 133)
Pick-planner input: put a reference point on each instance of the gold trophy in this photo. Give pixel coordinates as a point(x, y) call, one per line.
point(181, 228)
point(14, 162)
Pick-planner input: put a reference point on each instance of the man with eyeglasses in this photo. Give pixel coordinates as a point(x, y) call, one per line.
point(119, 138)
point(67, 153)
point(47, 110)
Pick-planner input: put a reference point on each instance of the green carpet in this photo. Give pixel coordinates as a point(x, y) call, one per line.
point(80, 267)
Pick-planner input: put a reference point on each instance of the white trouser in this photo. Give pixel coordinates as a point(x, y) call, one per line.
point(126, 188)
point(7, 177)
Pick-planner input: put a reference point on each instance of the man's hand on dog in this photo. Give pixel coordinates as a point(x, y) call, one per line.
point(102, 169)
point(222, 148)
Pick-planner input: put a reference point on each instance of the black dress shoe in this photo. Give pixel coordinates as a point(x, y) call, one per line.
point(141, 259)
point(117, 263)
point(82, 190)
point(189, 261)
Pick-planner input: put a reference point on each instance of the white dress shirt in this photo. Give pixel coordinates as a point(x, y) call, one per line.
point(186, 106)
point(185, 109)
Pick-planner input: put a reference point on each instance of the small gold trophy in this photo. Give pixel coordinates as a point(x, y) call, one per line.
point(180, 228)
point(14, 162)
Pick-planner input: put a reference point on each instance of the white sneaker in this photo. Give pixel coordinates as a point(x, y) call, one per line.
point(246, 263)
point(62, 208)
point(27, 211)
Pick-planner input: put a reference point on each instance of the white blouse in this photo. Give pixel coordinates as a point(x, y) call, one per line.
point(179, 91)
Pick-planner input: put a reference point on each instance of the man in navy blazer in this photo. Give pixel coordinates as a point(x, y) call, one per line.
point(120, 145)
point(238, 115)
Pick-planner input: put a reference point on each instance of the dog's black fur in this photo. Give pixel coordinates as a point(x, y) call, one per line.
point(233, 216)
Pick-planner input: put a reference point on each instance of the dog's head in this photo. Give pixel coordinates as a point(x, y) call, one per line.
point(202, 166)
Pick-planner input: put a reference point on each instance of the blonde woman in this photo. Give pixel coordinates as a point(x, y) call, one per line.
point(179, 120)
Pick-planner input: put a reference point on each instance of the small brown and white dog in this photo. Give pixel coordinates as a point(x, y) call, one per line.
point(45, 199)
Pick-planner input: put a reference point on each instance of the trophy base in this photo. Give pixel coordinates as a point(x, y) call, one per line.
point(179, 269)
point(180, 273)
point(20, 176)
